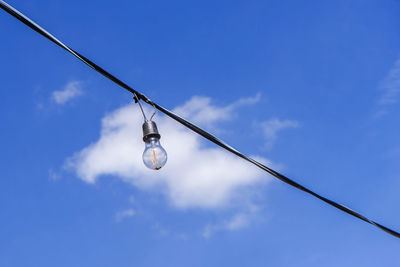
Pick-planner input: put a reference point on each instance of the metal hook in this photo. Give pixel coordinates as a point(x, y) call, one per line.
point(154, 112)
point(137, 100)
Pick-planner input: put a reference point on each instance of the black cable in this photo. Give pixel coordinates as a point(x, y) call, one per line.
point(21, 17)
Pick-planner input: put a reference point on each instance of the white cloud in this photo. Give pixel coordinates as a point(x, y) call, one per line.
point(391, 88)
point(236, 222)
point(194, 176)
point(200, 111)
point(272, 127)
point(71, 90)
point(123, 214)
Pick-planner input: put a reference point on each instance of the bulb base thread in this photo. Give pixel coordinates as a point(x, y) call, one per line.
point(150, 130)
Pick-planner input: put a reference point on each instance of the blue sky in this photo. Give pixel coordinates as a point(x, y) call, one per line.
point(310, 87)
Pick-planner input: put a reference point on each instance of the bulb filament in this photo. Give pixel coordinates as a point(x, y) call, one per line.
point(154, 156)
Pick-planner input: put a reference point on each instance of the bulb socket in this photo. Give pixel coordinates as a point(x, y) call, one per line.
point(150, 130)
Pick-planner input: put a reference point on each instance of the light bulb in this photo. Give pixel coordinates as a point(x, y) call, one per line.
point(154, 155)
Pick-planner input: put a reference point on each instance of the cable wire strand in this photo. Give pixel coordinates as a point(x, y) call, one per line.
point(22, 18)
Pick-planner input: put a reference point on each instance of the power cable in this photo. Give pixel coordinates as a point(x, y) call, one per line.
point(139, 96)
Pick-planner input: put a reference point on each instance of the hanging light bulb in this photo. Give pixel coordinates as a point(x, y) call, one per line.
point(154, 155)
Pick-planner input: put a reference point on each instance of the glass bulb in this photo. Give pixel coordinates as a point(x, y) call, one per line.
point(154, 155)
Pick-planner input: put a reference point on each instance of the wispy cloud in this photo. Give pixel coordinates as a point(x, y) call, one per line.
point(236, 222)
point(390, 87)
point(195, 175)
point(53, 175)
point(201, 111)
point(161, 230)
point(272, 127)
point(123, 214)
point(70, 91)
